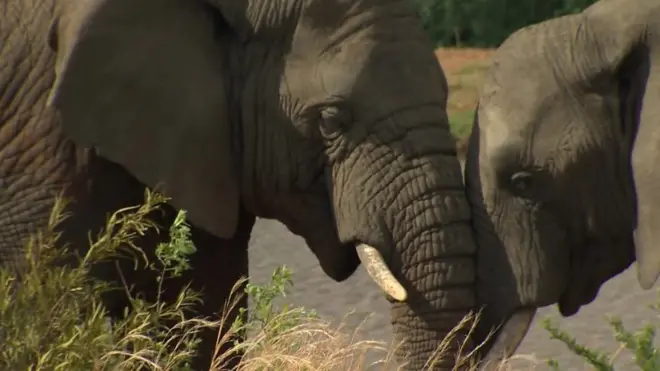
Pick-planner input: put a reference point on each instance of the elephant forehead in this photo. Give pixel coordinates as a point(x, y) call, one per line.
point(498, 129)
point(494, 127)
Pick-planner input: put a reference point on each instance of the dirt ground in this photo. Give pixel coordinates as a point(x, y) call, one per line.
point(454, 59)
point(465, 70)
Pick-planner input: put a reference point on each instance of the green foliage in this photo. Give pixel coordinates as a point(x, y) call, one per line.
point(173, 255)
point(266, 318)
point(264, 297)
point(486, 23)
point(640, 343)
point(460, 123)
point(53, 319)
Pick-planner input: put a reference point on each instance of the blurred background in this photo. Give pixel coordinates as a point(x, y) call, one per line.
point(486, 23)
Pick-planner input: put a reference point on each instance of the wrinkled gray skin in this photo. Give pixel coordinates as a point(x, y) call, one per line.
point(328, 115)
point(562, 164)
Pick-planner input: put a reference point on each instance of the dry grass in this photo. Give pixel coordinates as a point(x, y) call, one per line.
point(314, 344)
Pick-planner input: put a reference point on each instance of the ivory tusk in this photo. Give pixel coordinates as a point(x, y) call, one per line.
point(380, 272)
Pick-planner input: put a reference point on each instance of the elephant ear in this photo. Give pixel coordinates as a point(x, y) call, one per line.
point(624, 41)
point(144, 83)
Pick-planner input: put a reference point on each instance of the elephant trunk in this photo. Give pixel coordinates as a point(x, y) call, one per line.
point(437, 266)
point(400, 198)
point(504, 322)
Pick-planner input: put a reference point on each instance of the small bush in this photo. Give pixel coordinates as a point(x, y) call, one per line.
point(297, 339)
point(53, 319)
point(293, 338)
point(639, 343)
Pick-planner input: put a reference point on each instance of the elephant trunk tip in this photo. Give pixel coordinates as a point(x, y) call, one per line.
point(501, 343)
point(452, 349)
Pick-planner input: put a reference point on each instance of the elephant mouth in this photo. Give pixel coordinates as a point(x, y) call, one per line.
point(581, 290)
point(589, 270)
point(572, 300)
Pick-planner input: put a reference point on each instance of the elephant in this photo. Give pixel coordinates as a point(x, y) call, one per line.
point(326, 115)
point(560, 168)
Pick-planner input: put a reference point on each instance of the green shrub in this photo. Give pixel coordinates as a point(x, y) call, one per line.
point(640, 343)
point(486, 23)
point(54, 320)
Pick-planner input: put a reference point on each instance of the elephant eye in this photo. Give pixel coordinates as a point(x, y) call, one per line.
point(334, 121)
point(521, 183)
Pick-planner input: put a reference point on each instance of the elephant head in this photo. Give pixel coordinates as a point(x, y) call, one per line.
point(328, 115)
point(561, 167)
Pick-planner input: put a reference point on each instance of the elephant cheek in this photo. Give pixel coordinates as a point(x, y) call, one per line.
point(310, 217)
point(521, 256)
point(592, 266)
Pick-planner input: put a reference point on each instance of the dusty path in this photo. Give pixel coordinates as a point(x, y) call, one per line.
point(272, 245)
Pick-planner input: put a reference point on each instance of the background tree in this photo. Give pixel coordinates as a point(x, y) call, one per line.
point(486, 23)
